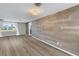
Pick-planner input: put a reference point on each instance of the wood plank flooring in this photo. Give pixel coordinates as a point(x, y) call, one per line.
point(26, 46)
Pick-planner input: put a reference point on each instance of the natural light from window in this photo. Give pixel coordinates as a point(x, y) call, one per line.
point(7, 27)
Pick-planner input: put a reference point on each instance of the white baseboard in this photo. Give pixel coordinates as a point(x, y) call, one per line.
point(55, 46)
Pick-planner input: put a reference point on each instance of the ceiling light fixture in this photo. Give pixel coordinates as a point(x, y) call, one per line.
point(35, 10)
point(38, 4)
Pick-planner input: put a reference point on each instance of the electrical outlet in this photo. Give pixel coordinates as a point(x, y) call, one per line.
point(59, 44)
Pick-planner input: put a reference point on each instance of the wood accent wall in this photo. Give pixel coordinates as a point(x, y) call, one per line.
point(61, 29)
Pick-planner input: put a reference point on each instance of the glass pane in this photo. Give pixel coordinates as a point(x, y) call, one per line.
point(7, 26)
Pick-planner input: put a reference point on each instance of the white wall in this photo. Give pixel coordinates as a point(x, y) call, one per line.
point(7, 33)
point(0, 35)
point(21, 28)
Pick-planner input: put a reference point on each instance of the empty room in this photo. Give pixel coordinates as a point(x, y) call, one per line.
point(39, 29)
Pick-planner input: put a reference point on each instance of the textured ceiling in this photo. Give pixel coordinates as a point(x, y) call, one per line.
point(18, 12)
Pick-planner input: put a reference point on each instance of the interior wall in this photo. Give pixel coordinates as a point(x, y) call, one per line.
point(21, 28)
point(60, 29)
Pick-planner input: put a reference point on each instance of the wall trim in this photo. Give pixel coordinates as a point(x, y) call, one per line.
point(54, 46)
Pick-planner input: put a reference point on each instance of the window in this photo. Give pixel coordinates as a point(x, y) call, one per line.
point(7, 26)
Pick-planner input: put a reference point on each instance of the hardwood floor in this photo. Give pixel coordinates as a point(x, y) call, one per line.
point(26, 46)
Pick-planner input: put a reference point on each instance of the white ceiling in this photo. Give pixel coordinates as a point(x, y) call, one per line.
point(18, 12)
